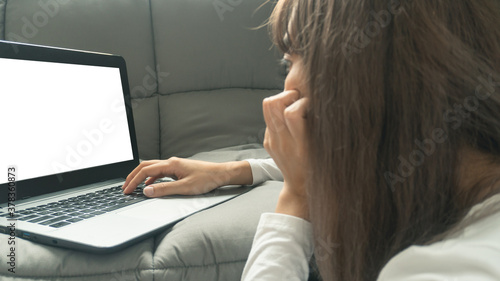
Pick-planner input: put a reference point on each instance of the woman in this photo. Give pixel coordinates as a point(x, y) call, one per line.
point(388, 137)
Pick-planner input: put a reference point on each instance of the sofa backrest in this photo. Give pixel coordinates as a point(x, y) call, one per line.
point(198, 69)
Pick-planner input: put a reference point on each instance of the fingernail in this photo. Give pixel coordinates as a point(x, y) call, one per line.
point(149, 191)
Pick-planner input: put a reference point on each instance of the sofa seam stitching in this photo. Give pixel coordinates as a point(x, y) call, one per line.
point(203, 265)
point(4, 32)
point(128, 270)
point(206, 90)
point(155, 64)
point(218, 89)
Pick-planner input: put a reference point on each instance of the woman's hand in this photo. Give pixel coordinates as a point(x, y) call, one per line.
point(286, 142)
point(193, 177)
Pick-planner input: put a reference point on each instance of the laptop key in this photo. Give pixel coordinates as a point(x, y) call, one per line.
point(40, 219)
point(54, 220)
point(81, 207)
point(60, 224)
point(28, 217)
point(86, 216)
point(121, 205)
point(12, 215)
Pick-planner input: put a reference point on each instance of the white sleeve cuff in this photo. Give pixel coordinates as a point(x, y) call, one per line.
point(264, 170)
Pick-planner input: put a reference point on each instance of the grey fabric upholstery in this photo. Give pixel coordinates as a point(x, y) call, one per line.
point(2, 21)
point(198, 71)
point(207, 125)
point(221, 63)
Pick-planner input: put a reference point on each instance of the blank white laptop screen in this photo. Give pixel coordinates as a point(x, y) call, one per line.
point(59, 117)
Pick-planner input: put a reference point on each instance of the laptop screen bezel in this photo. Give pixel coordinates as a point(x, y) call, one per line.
point(53, 183)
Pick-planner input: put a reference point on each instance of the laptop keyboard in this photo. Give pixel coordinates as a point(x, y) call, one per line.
point(78, 208)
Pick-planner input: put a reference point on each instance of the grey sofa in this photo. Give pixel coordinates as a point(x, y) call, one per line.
point(198, 71)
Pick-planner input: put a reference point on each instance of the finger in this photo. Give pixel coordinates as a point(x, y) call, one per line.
point(155, 170)
point(163, 189)
point(150, 180)
point(267, 141)
point(288, 97)
point(273, 108)
point(136, 170)
point(179, 187)
point(295, 118)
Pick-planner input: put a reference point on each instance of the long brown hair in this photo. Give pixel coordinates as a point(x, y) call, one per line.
point(397, 89)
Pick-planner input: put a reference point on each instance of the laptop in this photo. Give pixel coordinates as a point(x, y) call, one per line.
point(68, 142)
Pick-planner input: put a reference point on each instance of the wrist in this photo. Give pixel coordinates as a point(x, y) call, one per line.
point(292, 204)
point(235, 173)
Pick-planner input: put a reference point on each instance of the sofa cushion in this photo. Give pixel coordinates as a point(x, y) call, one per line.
point(147, 126)
point(211, 52)
point(218, 119)
point(214, 245)
point(209, 45)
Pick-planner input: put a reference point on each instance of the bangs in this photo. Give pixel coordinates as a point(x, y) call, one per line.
point(284, 24)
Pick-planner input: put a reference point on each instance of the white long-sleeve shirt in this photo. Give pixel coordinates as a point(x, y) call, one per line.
point(283, 245)
point(263, 170)
point(281, 249)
